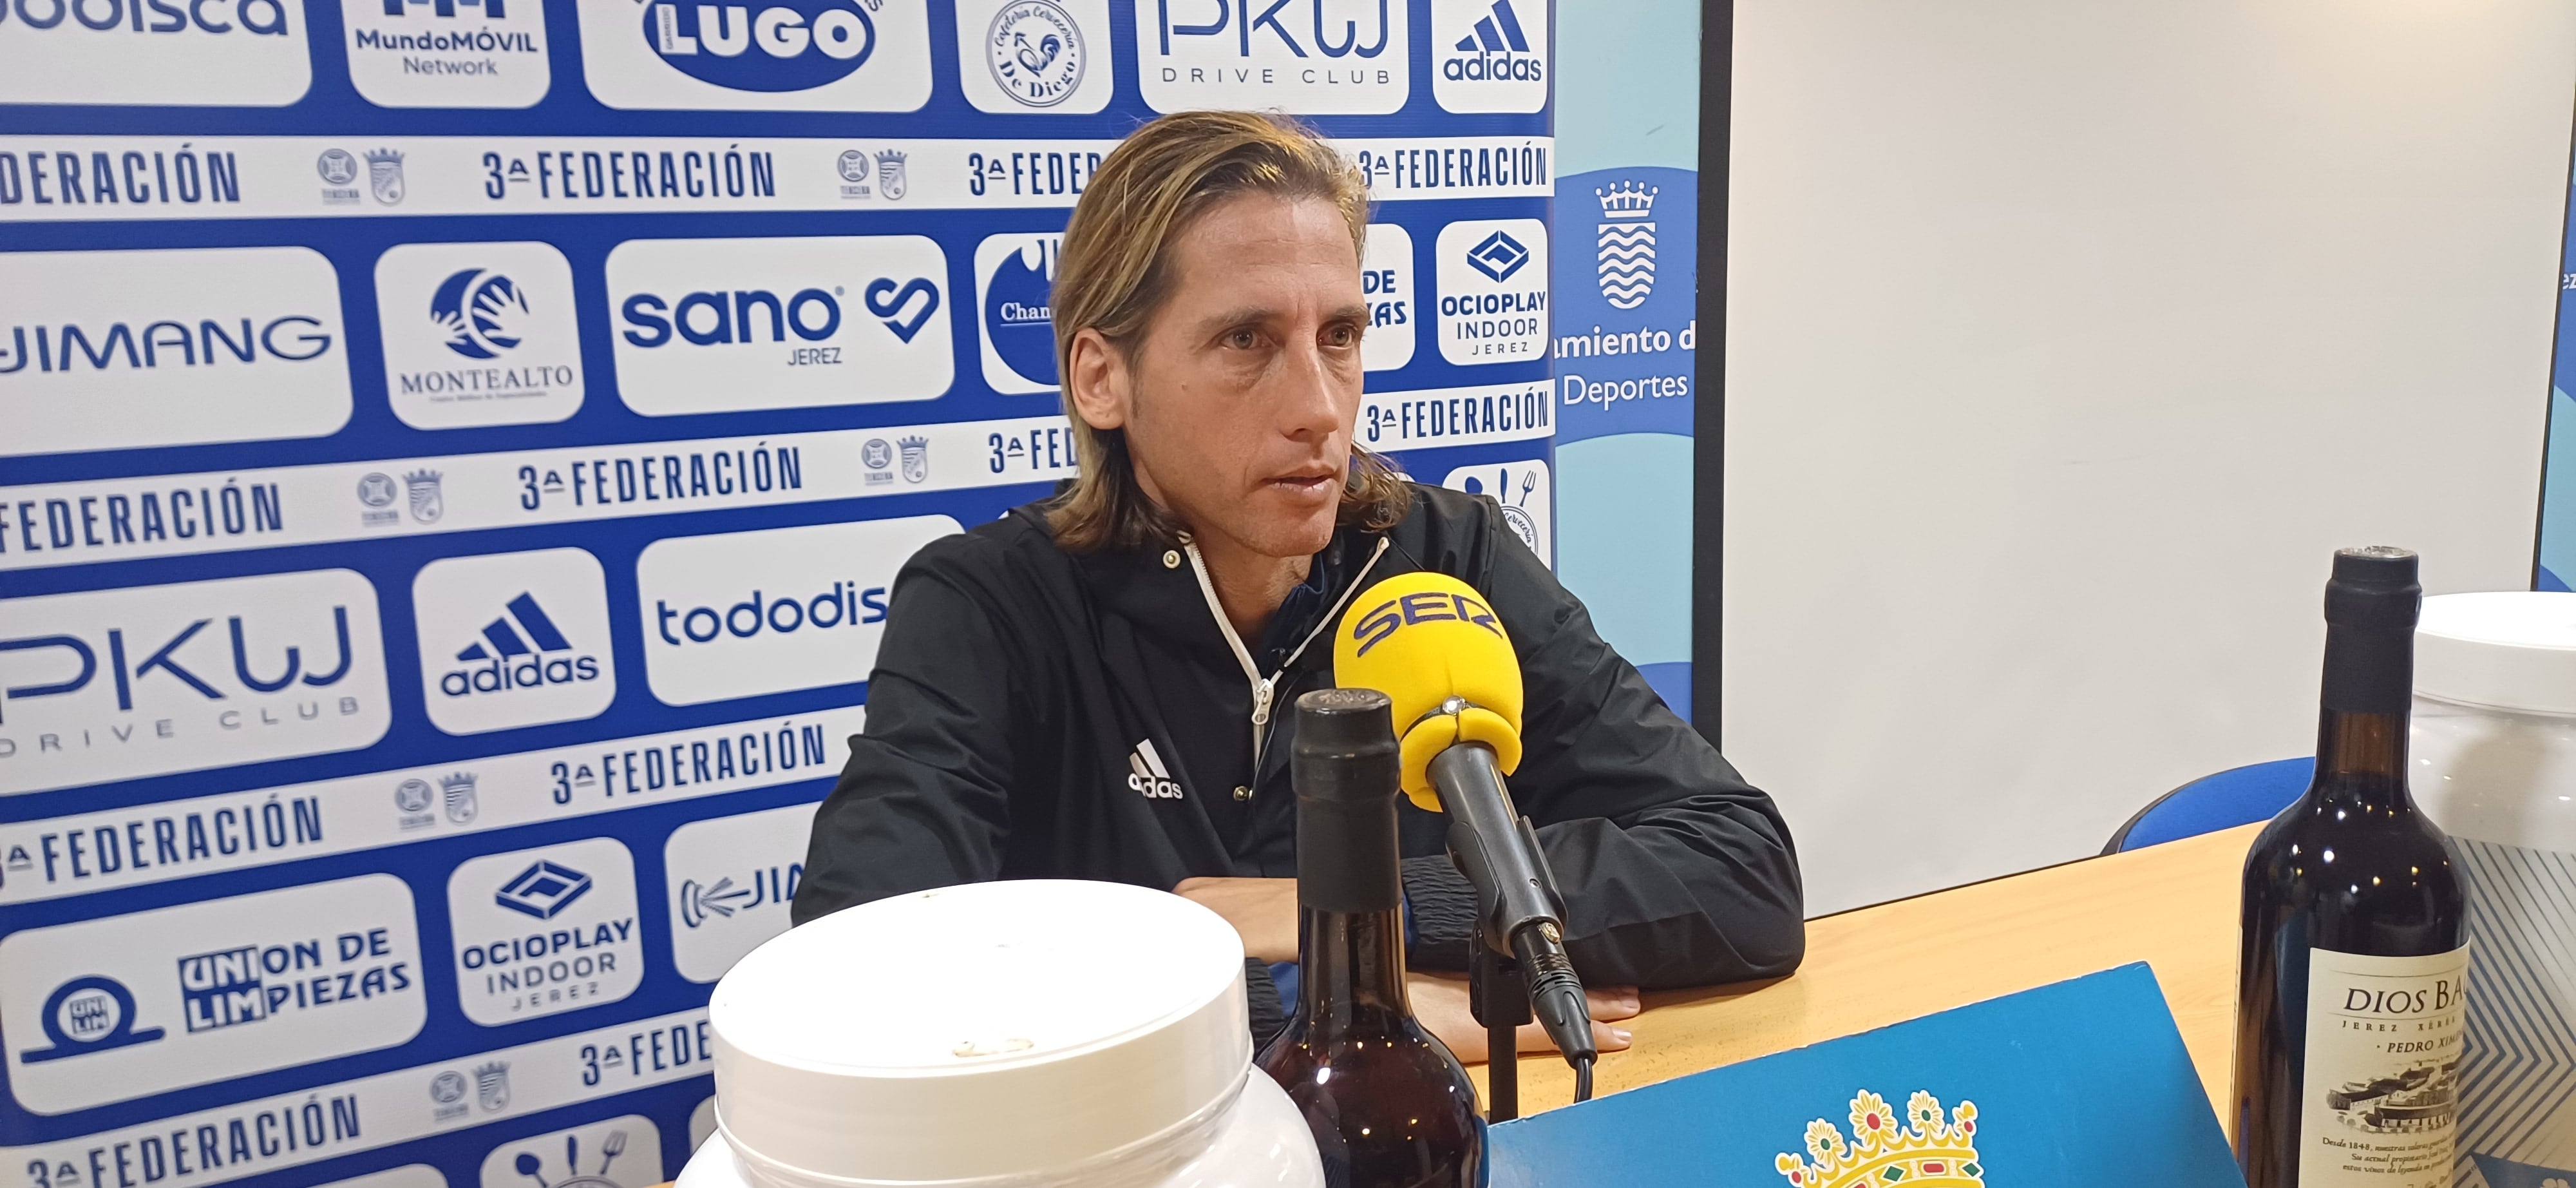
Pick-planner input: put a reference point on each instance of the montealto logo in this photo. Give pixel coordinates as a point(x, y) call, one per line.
point(216, 52)
point(118, 684)
point(113, 350)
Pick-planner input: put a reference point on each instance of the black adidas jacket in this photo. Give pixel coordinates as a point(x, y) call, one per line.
point(1039, 715)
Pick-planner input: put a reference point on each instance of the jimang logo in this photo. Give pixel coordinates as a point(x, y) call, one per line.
point(1626, 243)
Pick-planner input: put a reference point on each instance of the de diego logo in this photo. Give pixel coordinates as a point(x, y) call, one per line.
point(1923, 1150)
point(1035, 52)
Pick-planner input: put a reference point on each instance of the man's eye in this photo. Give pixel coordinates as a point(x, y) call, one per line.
point(1341, 335)
point(1242, 340)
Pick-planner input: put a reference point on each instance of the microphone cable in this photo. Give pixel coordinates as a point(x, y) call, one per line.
point(1583, 1080)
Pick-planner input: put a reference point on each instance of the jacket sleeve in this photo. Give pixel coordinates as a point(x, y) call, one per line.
point(1675, 871)
point(925, 799)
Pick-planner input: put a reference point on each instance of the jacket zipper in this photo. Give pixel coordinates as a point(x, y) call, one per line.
point(1264, 688)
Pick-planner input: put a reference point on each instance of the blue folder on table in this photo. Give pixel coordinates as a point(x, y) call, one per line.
point(2079, 1084)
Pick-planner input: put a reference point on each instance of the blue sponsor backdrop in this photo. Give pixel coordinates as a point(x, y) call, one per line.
point(452, 456)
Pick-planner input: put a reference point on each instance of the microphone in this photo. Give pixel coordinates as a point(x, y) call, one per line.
point(1429, 642)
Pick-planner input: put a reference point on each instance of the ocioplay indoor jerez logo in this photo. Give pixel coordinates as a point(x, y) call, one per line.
point(722, 325)
point(119, 684)
point(513, 639)
point(215, 53)
point(769, 55)
point(123, 1007)
point(1048, 56)
point(544, 931)
point(1305, 57)
point(1489, 55)
point(126, 349)
point(478, 334)
point(1493, 290)
point(448, 53)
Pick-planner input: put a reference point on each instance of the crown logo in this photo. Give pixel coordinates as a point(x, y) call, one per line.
point(429, 477)
point(383, 156)
point(1625, 201)
point(890, 158)
point(1923, 1151)
point(462, 781)
point(915, 442)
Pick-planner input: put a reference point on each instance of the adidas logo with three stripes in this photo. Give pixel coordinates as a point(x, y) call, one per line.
point(521, 649)
point(1496, 48)
point(1148, 777)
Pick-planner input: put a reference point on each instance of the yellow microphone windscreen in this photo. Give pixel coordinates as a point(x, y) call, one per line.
point(1422, 638)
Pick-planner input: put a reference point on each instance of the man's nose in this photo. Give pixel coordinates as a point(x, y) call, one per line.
point(1308, 407)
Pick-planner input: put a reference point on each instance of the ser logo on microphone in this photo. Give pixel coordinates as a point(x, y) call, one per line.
point(1386, 618)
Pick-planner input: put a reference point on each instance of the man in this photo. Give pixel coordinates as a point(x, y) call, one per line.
point(1095, 686)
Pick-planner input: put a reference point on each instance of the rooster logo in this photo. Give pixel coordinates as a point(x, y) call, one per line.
point(1035, 51)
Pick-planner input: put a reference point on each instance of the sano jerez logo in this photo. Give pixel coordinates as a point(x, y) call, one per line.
point(115, 350)
point(1489, 55)
point(1308, 57)
point(117, 684)
point(1493, 290)
point(722, 325)
point(123, 1007)
point(770, 55)
point(215, 53)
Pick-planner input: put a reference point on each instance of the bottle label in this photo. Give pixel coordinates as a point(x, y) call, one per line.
point(2518, 1083)
point(2383, 1069)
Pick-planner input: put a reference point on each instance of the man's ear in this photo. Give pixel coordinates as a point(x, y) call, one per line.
point(1096, 382)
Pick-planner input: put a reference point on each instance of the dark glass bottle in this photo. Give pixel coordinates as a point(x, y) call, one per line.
point(2354, 964)
point(1390, 1107)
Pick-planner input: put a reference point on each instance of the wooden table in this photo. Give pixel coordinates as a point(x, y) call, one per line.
point(2172, 906)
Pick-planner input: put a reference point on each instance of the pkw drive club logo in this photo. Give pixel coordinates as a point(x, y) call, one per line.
point(1489, 59)
point(1493, 290)
point(1313, 57)
point(778, 55)
point(478, 334)
point(543, 931)
point(514, 639)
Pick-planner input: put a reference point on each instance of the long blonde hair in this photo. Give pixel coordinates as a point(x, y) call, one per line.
point(1115, 272)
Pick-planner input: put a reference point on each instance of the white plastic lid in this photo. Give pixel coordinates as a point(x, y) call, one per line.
point(985, 1030)
point(2512, 650)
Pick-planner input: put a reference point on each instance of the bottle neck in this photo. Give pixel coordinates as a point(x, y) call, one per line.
point(1350, 967)
point(2362, 720)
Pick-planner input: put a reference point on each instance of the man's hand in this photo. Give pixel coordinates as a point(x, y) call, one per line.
point(1440, 1002)
point(1263, 912)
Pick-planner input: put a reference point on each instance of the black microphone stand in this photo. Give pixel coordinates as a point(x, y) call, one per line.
point(1498, 996)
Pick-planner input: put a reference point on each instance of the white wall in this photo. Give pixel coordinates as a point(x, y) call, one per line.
point(2066, 340)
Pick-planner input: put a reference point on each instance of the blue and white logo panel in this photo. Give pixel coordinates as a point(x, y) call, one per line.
point(119, 684)
point(115, 350)
point(513, 639)
point(1304, 57)
point(1489, 55)
point(746, 613)
point(770, 55)
point(620, 1152)
point(724, 325)
point(212, 53)
point(544, 931)
point(1014, 273)
point(1019, 56)
point(1521, 489)
point(447, 53)
point(1386, 279)
point(1493, 291)
point(123, 1007)
point(478, 334)
point(731, 879)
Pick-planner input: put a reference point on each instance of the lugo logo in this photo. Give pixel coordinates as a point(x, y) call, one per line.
point(748, 613)
point(837, 320)
point(229, 53)
point(1490, 58)
point(114, 350)
point(1013, 275)
point(118, 684)
point(801, 55)
point(513, 639)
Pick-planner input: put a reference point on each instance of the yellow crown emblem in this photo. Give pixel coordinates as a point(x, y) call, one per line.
point(1923, 1151)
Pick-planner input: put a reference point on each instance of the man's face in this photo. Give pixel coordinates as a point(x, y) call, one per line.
point(1239, 399)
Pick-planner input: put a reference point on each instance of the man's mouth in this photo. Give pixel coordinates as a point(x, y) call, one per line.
point(1303, 484)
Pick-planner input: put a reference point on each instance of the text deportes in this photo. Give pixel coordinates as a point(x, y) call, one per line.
point(1426, 606)
point(847, 602)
